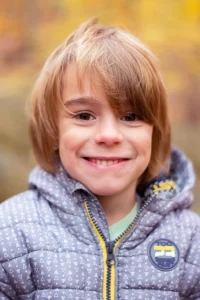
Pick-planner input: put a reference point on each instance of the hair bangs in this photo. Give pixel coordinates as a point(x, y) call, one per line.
point(125, 75)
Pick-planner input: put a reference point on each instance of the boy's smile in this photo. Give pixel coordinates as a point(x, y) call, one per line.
point(104, 151)
point(105, 161)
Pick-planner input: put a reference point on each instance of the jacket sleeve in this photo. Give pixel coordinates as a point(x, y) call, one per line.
point(6, 290)
point(4, 297)
point(191, 278)
point(194, 258)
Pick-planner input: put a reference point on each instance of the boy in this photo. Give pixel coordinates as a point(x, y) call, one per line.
point(106, 215)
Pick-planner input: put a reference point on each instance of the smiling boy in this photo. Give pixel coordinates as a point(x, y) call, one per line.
point(107, 212)
point(98, 146)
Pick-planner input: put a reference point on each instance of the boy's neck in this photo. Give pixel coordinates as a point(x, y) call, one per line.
point(116, 207)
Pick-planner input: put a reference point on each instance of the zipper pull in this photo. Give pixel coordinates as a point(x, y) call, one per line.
point(110, 254)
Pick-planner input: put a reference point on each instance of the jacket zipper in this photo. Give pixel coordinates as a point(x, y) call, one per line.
point(109, 248)
point(102, 241)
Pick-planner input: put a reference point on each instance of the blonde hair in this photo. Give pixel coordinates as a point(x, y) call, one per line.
point(128, 73)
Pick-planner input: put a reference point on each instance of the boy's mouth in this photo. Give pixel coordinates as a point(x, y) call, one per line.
point(105, 161)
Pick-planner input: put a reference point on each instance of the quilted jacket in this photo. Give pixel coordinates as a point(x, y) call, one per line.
point(54, 242)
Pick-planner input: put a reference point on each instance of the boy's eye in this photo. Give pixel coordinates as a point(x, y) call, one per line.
point(85, 116)
point(130, 117)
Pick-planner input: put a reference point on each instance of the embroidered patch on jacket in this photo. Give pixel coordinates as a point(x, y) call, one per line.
point(163, 254)
point(164, 186)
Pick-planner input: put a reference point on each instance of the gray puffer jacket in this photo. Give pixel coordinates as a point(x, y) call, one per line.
point(54, 242)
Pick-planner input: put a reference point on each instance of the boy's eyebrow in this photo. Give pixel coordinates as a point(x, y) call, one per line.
point(81, 100)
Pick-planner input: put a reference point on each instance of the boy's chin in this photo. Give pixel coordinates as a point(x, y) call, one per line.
point(108, 192)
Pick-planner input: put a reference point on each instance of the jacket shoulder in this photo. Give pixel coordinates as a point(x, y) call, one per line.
point(190, 284)
point(19, 208)
point(189, 219)
point(22, 224)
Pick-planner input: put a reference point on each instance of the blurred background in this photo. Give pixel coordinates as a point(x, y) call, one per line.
point(30, 30)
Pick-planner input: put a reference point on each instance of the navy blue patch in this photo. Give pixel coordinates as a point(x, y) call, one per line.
point(163, 254)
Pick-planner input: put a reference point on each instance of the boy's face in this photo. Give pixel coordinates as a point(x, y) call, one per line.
point(105, 152)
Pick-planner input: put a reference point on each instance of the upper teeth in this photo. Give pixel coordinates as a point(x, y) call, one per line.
point(104, 162)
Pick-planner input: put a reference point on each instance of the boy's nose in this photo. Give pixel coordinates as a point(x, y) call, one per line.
point(108, 134)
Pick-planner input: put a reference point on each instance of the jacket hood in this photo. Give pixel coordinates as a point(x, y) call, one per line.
point(175, 191)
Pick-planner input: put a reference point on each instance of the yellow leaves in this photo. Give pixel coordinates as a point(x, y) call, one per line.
point(164, 25)
point(191, 10)
point(156, 21)
point(165, 22)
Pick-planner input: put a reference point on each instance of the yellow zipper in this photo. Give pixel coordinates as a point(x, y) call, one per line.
point(104, 248)
point(103, 245)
